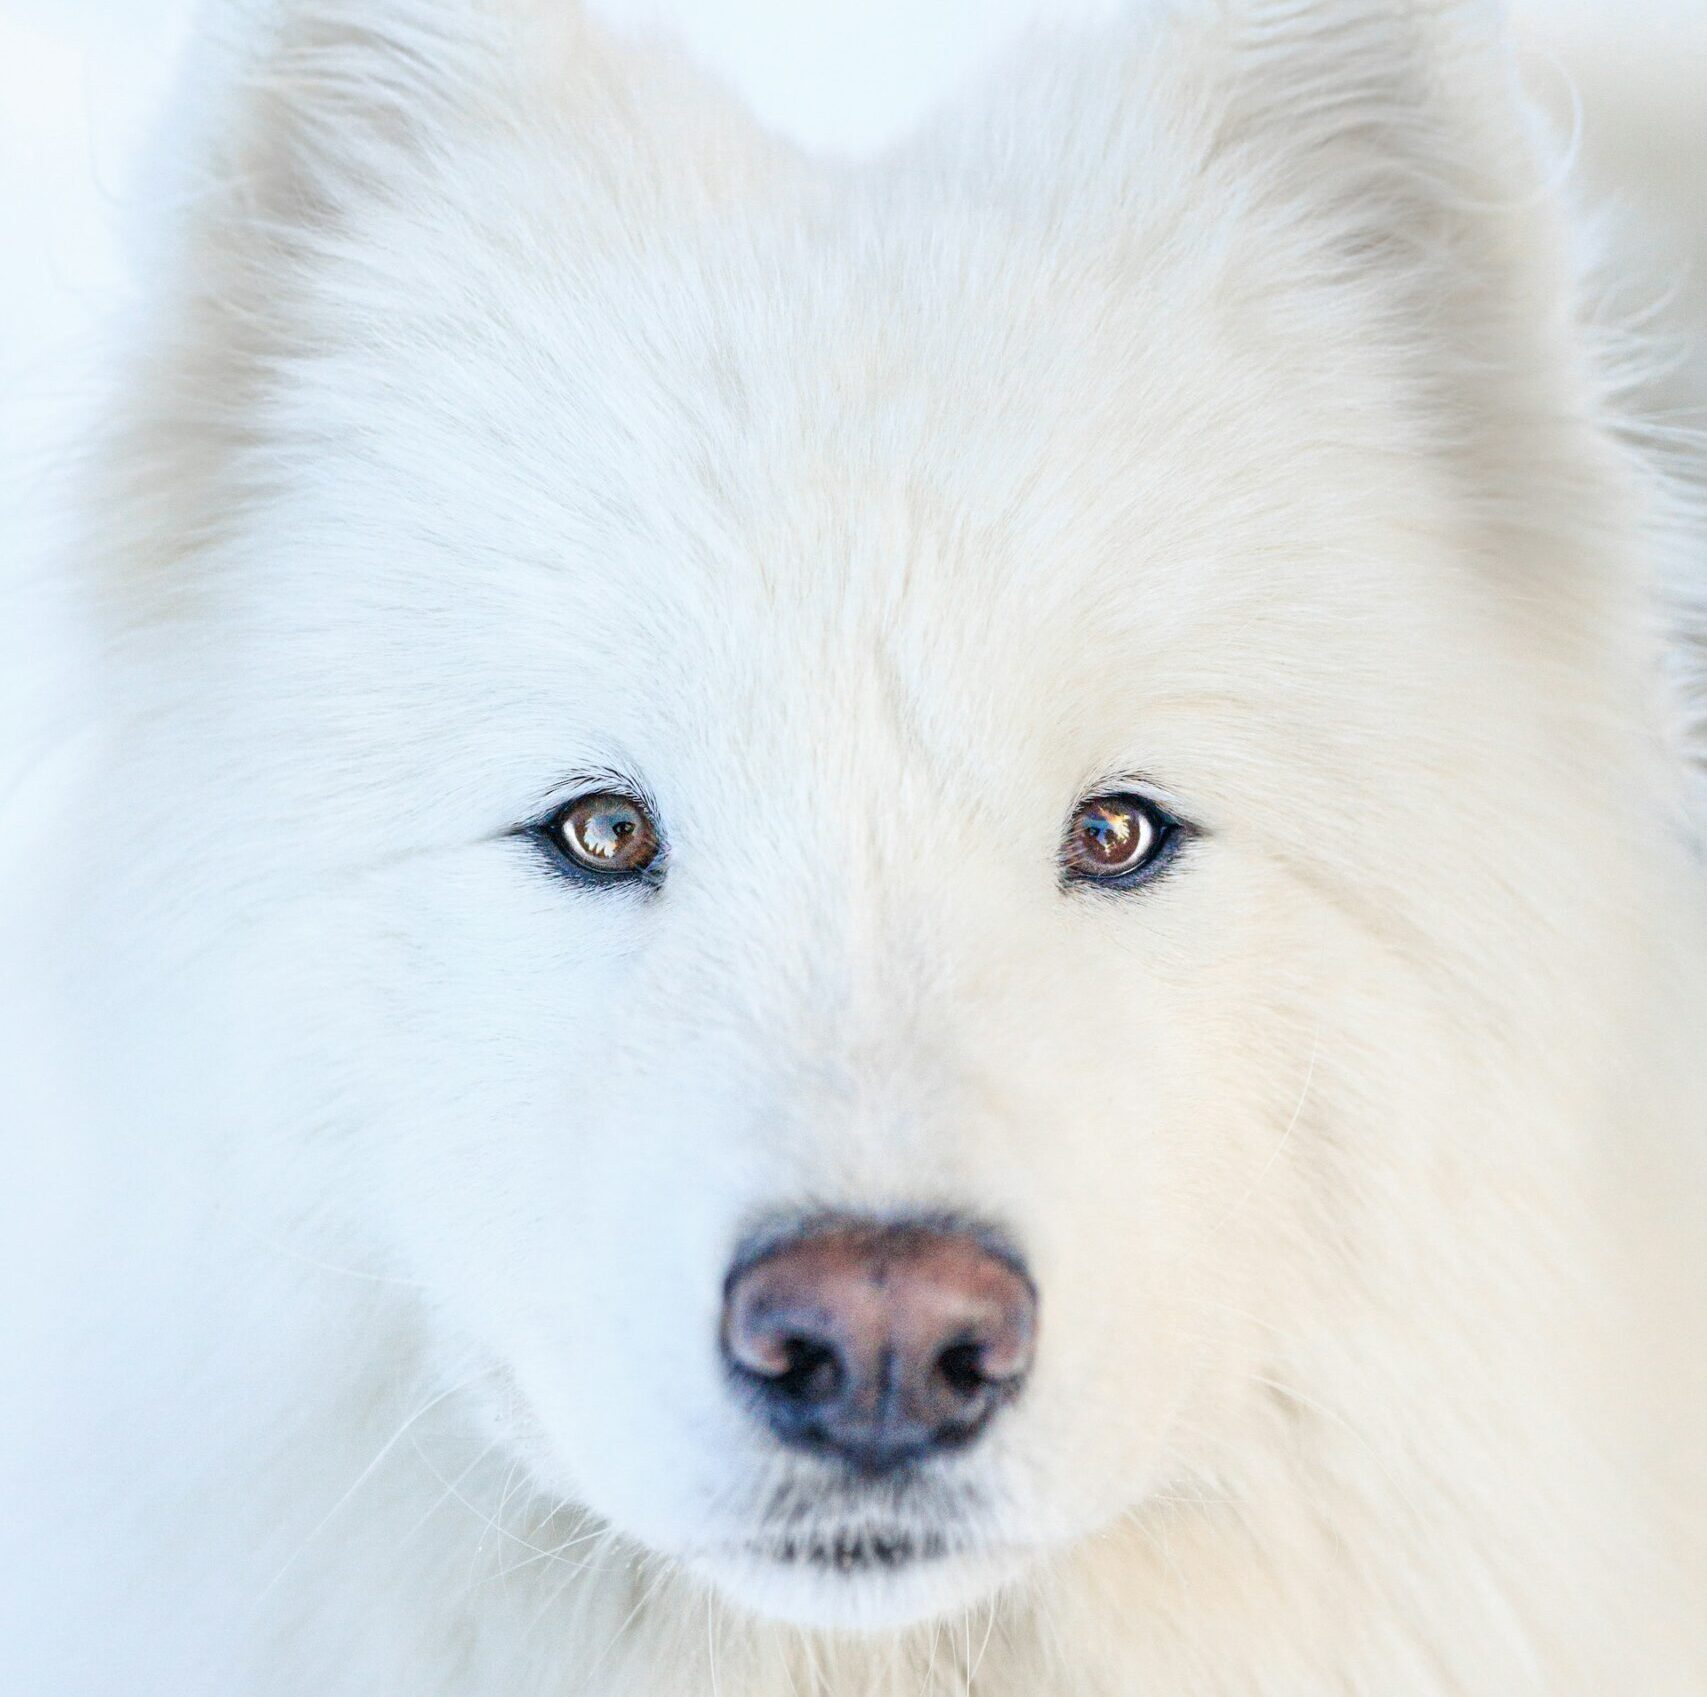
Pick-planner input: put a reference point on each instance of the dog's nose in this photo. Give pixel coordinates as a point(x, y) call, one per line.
point(879, 1344)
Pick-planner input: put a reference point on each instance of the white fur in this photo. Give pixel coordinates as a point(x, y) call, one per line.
point(1209, 402)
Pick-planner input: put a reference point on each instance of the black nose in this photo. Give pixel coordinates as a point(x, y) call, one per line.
point(879, 1344)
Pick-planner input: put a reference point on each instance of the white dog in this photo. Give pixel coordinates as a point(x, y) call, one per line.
point(868, 930)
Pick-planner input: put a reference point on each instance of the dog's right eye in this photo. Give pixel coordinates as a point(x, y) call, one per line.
point(1119, 840)
point(608, 835)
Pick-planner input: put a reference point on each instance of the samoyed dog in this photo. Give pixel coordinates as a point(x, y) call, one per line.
point(924, 926)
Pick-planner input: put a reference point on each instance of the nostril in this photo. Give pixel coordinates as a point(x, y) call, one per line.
point(812, 1373)
point(961, 1368)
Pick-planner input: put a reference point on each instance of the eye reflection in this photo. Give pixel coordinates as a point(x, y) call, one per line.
point(1117, 837)
point(606, 833)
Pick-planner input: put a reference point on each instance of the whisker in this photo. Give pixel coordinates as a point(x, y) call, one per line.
point(487, 1521)
point(362, 1478)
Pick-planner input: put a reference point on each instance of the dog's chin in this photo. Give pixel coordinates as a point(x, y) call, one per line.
point(857, 1579)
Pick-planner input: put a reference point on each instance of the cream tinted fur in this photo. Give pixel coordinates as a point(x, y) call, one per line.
point(1208, 401)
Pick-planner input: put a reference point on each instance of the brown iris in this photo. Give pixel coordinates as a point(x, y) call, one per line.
point(1115, 836)
point(607, 833)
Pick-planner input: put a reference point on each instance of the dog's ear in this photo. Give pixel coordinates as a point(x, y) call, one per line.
point(1388, 144)
point(314, 138)
point(293, 111)
point(1393, 164)
point(1364, 175)
point(292, 103)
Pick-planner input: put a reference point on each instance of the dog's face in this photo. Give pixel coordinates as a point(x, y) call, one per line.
point(915, 722)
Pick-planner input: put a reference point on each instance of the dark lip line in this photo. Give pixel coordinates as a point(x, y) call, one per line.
point(941, 1546)
point(876, 1550)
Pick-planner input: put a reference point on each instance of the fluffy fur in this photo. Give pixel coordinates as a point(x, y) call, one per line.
point(1211, 404)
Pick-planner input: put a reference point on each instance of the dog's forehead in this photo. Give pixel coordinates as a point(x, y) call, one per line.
point(815, 476)
point(888, 417)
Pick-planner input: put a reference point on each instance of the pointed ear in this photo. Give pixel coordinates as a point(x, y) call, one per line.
point(1393, 137)
point(1368, 172)
point(308, 130)
point(283, 106)
point(298, 108)
point(1394, 161)
point(291, 119)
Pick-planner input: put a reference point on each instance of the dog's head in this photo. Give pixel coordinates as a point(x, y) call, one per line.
point(883, 806)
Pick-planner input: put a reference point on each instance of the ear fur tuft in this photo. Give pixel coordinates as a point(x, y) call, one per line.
point(1370, 174)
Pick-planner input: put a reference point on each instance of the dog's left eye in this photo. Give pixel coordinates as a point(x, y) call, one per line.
point(607, 834)
point(1118, 839)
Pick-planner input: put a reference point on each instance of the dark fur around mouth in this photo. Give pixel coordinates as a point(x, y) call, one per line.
point(856, 1550)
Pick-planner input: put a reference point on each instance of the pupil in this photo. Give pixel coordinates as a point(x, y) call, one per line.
point(1111, 833)
point(609, 833)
